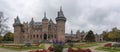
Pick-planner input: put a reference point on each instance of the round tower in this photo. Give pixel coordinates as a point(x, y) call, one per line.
point(60, 25)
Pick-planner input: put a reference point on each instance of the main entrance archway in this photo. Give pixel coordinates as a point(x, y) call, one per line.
point(45, 36)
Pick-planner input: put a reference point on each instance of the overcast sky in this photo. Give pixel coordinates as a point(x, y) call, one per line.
point(97, 15)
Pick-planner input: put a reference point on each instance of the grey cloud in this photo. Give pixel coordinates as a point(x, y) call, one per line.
point(97, 15)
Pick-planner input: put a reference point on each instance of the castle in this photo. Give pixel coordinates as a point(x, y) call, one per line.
point(35, 32)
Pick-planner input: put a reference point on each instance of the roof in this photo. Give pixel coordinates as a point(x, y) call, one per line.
point(37, 23)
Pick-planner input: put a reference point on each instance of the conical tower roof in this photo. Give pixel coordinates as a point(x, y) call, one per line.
point(17, 20)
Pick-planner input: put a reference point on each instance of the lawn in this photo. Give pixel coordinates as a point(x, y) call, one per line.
point(22, 47)
point(82, 45)
point(86, 45)
point(108, 49)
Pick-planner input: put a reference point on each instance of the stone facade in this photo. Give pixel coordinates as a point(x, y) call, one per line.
point(80, 36)
point(36, 32)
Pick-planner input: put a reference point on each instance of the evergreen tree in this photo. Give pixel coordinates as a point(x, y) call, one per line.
point(90, 36)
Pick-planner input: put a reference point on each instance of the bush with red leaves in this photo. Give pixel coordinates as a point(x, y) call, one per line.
point(108, 45)
point(44, 50)
point(88, 50)
point(70, 50)
point(79, 50)
point(51, 48)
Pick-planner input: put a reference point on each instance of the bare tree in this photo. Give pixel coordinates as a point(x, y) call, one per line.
point(3, 24)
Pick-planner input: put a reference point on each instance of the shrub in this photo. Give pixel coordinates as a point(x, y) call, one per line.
point(51, 48)
point(116, 45)
point(70, 50)
point(108, 45)
point(70, 44)
point(79, 50)
point(28, 44)
point(88, 50)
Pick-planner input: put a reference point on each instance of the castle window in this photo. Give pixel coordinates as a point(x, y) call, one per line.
point(55, 36)
point(33, 36)
point(30, 36)
point(37, 36)
point(52, 36)
point(40, 36)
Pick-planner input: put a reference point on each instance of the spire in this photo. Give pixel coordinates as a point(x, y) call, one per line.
point(50, 21)
point(60, 8)
point(32, 21)
point(60, 13)
point(71, 32)
point(17, 20)
point(45, 15)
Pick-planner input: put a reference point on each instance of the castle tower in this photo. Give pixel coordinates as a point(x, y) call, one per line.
point(60, 25)
point(17, 31)
point(78, 35)
point(45, 27)
point(32, 23)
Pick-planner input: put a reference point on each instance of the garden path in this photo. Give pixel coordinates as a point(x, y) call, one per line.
point(101, 44)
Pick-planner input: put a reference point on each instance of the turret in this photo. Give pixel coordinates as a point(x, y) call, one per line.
point(45, 27)
point(71, 32)
point(60, 25)
point(78, 35)
point(17, 30)
point(17, 21)
point(51, 22)
point(17, 24)
point(60, 16)
point(31, 22)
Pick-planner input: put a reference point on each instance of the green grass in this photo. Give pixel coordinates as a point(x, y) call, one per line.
point(66, 46)
point(86, 45)
point(20, 48)
point(108, 49)
point(79, 45)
